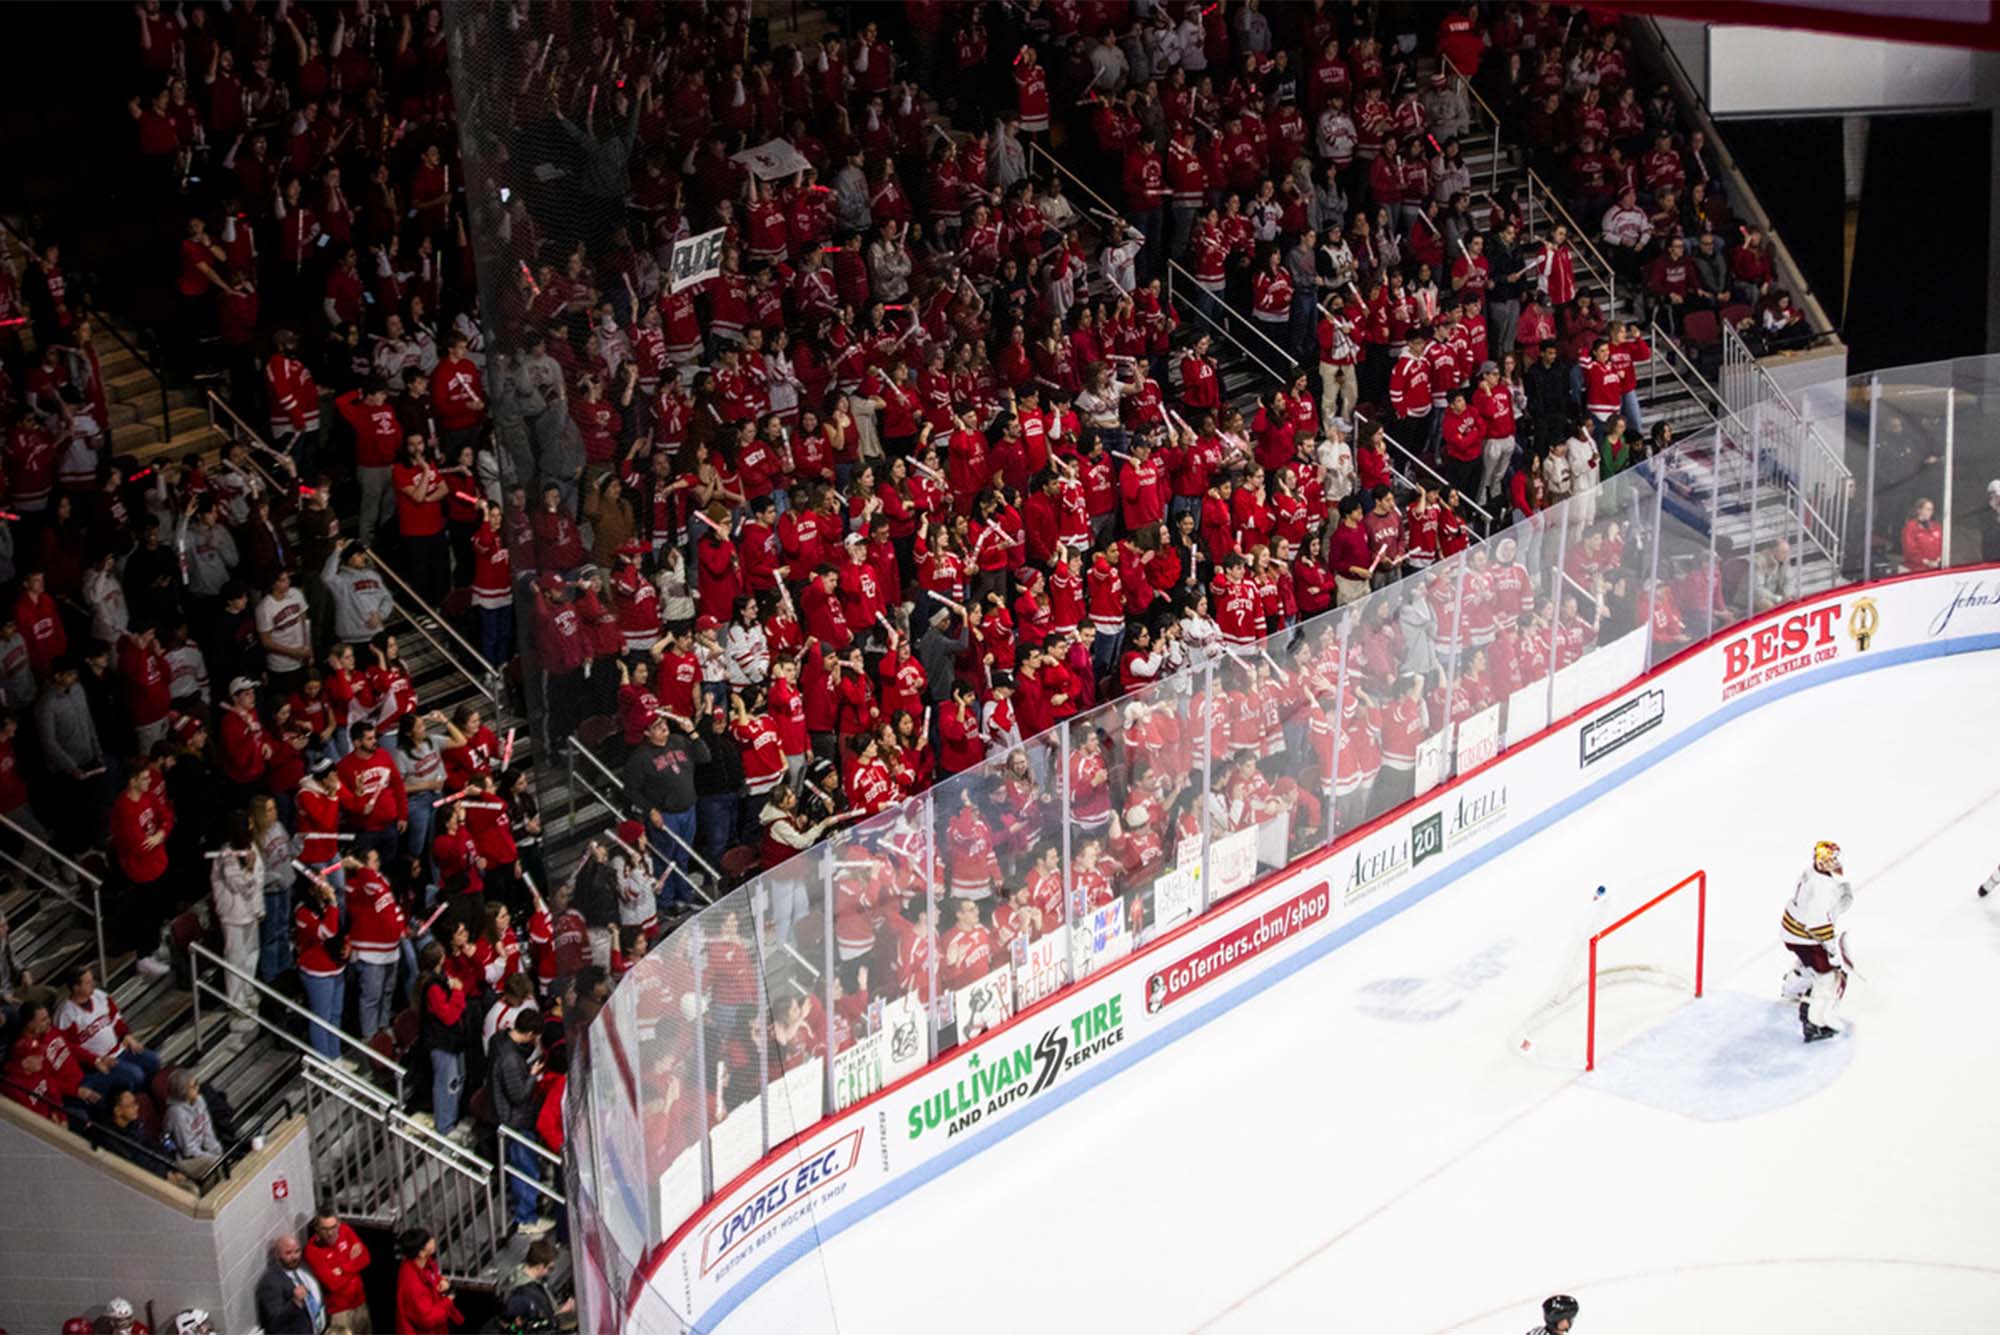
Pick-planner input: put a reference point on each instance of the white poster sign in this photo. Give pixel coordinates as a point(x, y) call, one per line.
point(695, 259)
point(797, 1100)
point(1430, 761)
point(1176, 895)
point(1039, 966)
point(1234, 857)
point(893, 1047)
point(1273, 840)
point(857, 1070)
point(984, 1004)
point(1100, 939)
point(771, 160)
point(738, 1139)
point(1527, 712)
point(1479, 738)
point(680, 1188)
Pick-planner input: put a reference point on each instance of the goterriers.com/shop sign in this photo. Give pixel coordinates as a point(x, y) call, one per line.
point(1271, 928)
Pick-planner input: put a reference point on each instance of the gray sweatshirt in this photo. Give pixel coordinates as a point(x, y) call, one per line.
point(17, 688)
point(69, 736)
point(192, 1130)
point(850, 199)
point(211, 554)
point(357, 593)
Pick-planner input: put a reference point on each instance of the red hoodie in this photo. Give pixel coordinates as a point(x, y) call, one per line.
point(378, 436)
point(245, 747)
point(372, 790)
point(375, 918)
point(148, 681)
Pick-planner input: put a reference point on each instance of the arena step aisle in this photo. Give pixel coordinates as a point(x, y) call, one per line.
point(132, 392)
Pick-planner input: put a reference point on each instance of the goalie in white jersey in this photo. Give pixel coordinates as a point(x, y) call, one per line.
point(1811, 932)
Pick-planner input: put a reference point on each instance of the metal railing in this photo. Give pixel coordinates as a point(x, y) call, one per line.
point(1474, 101)
point(1671, 362)
point(1207, 304)
point(1742, 195)
point(509, 1136)
point(487, 680)
point(1588, 255)
point(200, 954)
point(1105, 207)
point(88, 306)
point(374, 1163)
point(621, 806)
point(1815, 468)
point(1444, 483)
point(94, 909)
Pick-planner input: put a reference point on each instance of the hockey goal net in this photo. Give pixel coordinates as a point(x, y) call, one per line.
point(1634, 958)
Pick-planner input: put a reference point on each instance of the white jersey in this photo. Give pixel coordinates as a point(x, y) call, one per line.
point(1819, 899)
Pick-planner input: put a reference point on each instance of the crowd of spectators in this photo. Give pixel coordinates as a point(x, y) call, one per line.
point(320, 1284)
point(930, 467)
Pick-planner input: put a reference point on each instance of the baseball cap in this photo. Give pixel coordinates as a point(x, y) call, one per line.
point(240, 685)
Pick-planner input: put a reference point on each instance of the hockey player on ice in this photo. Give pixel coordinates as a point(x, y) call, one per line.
point(1990, 884)
point(1818, 975)
point(1558, 1316)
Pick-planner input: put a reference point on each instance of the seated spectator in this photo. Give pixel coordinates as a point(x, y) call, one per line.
point(43, 1071)
point(123, 1132)
point(112, 1057)
point(187, 1129)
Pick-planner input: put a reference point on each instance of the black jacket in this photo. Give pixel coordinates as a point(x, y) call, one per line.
point(661, 778)
point(722, 773)
point(1548, 395)
point(509, 1083)
point(277, 1311)
point(135, 1145)
point(596, 893)
point(1504, 261)
point(436, 1034)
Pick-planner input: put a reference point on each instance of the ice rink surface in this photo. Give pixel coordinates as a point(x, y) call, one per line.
point(1361, 1147)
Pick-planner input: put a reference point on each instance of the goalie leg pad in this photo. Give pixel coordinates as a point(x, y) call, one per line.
point(1826, 991)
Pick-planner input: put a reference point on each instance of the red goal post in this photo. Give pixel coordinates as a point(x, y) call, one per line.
point(1699, 880)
